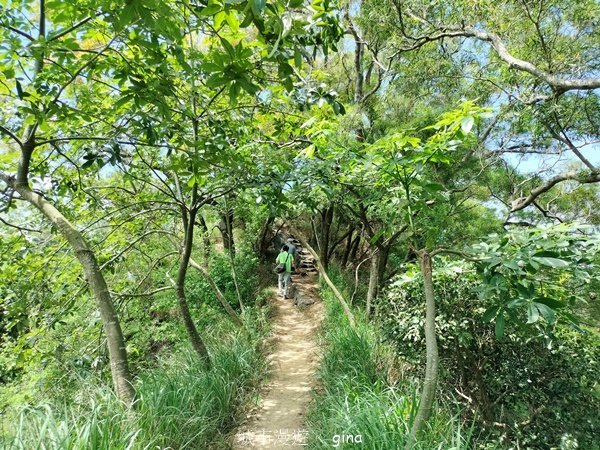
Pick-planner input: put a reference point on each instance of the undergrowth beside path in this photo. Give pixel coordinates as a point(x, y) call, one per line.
point(358, 405)
point(179, 405)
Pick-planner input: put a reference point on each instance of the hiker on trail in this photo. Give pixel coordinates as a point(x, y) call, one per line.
point(284, 263)
point(293, 251)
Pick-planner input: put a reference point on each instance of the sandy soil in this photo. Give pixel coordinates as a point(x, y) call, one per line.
point(278, 422)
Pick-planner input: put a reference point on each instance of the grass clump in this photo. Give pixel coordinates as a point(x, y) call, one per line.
point(179, 405)
point(358, 405)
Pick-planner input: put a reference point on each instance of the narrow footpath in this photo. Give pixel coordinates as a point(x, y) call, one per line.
point(278, 422)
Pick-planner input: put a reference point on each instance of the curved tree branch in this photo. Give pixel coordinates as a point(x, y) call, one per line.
point(523, 202)
point(557, 83)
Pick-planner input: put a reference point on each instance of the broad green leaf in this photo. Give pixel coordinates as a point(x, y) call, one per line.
point(467, 123)
point(210, 10)
point(257, 6)
point(500, 325)
point(490, 313)
point(532, 313)
point(547, 312)
point(511, 264)
point(551, 262)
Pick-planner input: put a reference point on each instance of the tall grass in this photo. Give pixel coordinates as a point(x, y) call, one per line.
point(355, 398)
point(179, 405)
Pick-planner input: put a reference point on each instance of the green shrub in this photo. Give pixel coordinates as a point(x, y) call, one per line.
point(246, 265)
point(543, 393)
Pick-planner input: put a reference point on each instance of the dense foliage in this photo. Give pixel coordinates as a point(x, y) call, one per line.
point(526, 388)
point(150, 152)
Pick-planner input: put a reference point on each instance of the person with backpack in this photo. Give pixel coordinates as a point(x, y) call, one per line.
point(294, 252)
point(284, 266)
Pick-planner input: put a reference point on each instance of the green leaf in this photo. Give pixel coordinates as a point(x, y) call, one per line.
point(216, 80)
point(512, 264)
point(500, 326)
point(228, 47)
point(550, 302)
point(297, 58)
point(248, 18)
point(9, 72)
point(309, 151)
point(210, 10)
point(257, 6)
point(533, 313)
point(233, 22)
point(547, 312)
point(467, 123)
point(234, 91)
point(490, 313)
point(377, 236)
point(551, 262)
point(247, 85)
point(19, 89)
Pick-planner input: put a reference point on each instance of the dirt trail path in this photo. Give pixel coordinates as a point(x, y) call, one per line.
point(278, 423)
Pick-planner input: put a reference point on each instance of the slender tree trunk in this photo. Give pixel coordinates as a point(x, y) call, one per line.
point(186, 254)
point(235, 282)
point(355, 246)
point(373, 277)
point(225, 226)
point(340, 240)
point(261, 245)
point(205, 236)
point(326, 222)
point(383, 260)
point(346, 253)
point(234, 317)
point(315, 234)
point(432, 365)
point(121, 376)
point(232, 259)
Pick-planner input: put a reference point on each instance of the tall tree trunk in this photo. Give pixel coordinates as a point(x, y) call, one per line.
point(344, 237)
point(261, 245)
point(121, 376)
point(373, 277)
point(225, 226)
point(355, 247)
point(326, 222)
point(228, 222)
point(205, 236)
point(235, 282)
point(383, 260)
point(186, 254)
point(432, 365)
point(347, 249)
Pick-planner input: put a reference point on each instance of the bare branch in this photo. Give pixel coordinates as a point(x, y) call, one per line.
point(18, 227)
point(68, 30)
point(130, 246)
point(558, 84)
point(546, 213)
point(19, 32)
point(523, 202)
point(562, 137)
point(11, 135)
point(143, 294)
